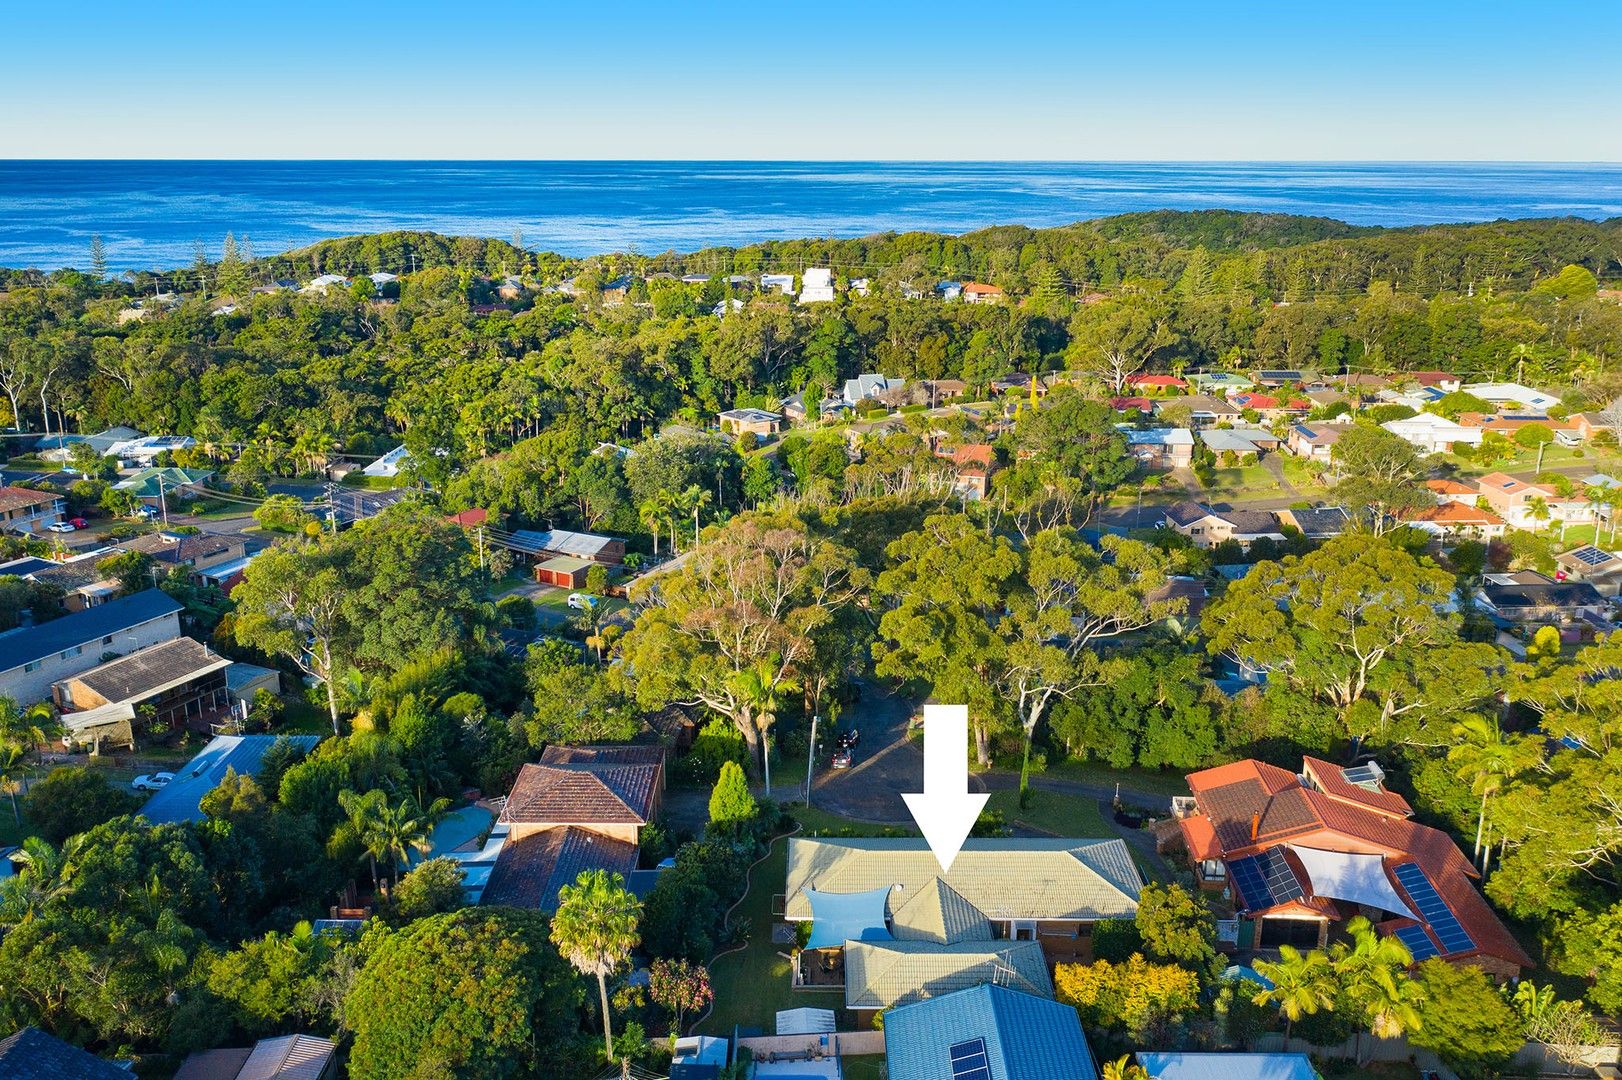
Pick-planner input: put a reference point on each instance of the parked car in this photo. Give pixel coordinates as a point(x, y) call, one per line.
point(148, 513)
point(582, 601)
point(79, 523)
point(842, 758)
point(847, 740)
point(152, 781)
point(62, 526)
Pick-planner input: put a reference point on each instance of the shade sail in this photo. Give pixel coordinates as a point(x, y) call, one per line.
point(841, 917)
point(1351, 876)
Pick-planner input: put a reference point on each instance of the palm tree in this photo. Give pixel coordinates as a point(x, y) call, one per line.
point(11, 775)
point(651, 515)
point(28, 728)
point(390, 832)
point(1303, 983)
point(1122, 1068)
point(594, 927)
point(405, 827)
point(696, 499)
point(757, 688)
point(43, 873)
point(1373, 970)
point(1489, 761)
point(1537, 508)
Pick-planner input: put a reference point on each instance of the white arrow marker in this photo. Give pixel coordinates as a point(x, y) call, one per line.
point(946, 810)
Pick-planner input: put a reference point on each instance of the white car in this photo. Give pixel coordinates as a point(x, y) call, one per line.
point(62, 526)
point(582, 601)
point(152, 781)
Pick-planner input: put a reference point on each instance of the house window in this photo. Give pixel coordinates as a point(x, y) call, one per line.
point(108, 640)
point(1213, 870)
point(33, 666)
point(68, 654)
point(1022, 929)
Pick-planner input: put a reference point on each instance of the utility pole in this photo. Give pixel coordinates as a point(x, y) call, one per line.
point(163, 503)
point(810, 758)
point(481, 547)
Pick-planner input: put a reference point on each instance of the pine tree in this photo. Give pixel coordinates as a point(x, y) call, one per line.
point(98, 257)
point(233, 276)
point(199, 266)
point(731, 802)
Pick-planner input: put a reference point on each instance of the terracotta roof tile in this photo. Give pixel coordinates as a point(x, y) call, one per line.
point(1334, 784)
point(530, 871)
point(582, 794)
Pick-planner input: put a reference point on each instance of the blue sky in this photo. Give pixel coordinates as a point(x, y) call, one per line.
point(799, 79)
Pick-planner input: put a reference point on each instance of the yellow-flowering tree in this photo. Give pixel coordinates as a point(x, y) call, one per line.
point(1135, 996)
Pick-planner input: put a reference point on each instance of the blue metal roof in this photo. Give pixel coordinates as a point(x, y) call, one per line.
point(1175, 1066)
point(243, 753)
point(1026, 1037)
point(30, 643)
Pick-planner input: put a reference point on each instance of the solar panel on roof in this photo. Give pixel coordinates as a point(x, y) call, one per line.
point(1434, 910)
point(1251, 885)
point(1265, 880)
point(1418, 942)
point(969, 1060)
point(1282, 884)
point(1591, 556)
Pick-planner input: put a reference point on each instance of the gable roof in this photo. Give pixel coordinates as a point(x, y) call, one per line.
point(1026, 1037)
point(1454, 513)
point(531, 870)
point(1254, 808)
point(31, 1054)
point(18, 498)
point(562, 542)
point(582, 793)
point(1005, 878)
point(1187, 512)
point(152, 670)
point(611, 754)
point(879, 974)
point(26, 644)
point(242, 754)
point(290, 1057)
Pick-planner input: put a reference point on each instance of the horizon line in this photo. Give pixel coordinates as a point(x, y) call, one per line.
point(8, 159)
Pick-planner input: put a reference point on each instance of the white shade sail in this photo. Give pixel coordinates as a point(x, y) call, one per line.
point(1351, 876)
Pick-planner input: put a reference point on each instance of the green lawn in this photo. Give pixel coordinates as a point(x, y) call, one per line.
point(814, 821)
point(1135, 779)
point(752, 984)
point(1249, 479)
point(1051, 812)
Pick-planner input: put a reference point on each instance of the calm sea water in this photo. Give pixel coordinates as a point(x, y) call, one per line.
point(150, 213)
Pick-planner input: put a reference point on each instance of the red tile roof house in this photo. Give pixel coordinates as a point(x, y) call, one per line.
point(1157, 384)
point(1440, 379)
point(579, 808)
point(1300, 851)
point(26, 511)
point(976, 293)
point(1447, 491)
point(1458, 519)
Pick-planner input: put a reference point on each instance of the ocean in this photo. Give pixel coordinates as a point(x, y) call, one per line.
point(150, 214)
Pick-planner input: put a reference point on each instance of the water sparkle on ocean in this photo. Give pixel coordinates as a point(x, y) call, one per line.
point(151, 213)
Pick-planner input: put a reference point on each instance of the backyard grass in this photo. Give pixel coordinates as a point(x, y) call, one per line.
point(752, 984)
point(1132, 779)
point(1246, 480)
point(1052, 812)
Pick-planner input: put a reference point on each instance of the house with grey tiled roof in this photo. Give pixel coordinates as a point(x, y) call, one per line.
point(1208, 527)
point(31, 1054)
point(888, 925)
point(882, 974)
